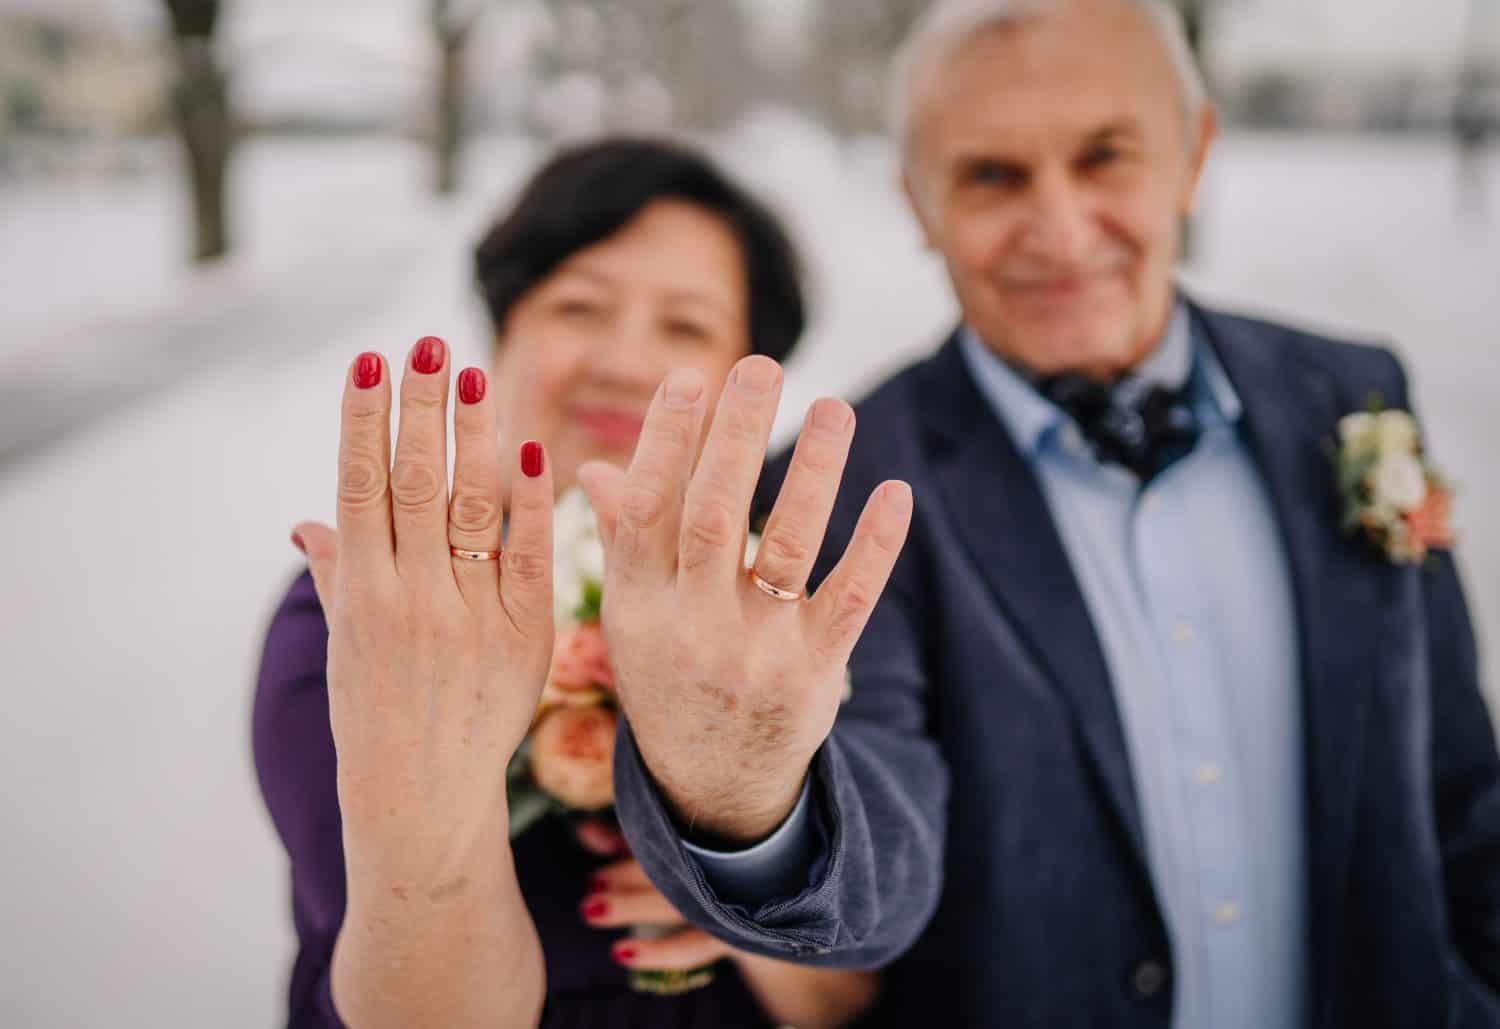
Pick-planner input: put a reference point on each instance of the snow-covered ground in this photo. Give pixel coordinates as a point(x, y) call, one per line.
point(141, 554)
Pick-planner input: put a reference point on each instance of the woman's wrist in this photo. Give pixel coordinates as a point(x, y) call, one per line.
point(454, 946)
point(426, 875)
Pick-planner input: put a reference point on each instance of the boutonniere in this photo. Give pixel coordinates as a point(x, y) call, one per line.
point(1393, 494)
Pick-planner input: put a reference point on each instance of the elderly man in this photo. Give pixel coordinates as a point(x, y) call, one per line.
point(1142, 732)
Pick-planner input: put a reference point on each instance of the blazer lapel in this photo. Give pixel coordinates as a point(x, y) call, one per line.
point(999, 513)
point(1291, 409)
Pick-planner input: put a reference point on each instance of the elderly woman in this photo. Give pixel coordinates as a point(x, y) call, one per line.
point(620, 263)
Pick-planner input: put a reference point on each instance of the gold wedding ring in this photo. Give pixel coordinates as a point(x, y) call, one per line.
point(770, 590)
point(475, 555)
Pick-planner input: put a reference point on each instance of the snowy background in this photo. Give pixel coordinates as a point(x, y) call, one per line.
point(161, 427)
point(143, 553)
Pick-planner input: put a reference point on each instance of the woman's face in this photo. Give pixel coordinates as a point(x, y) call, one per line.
point(584, 350)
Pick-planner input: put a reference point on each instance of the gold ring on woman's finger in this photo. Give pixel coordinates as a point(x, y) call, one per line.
point(771, 589)
point(475, 555)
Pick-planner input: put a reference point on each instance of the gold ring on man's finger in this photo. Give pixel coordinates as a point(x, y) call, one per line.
point(475, 555)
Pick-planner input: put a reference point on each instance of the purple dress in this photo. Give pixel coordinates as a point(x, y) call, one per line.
point(295, 760)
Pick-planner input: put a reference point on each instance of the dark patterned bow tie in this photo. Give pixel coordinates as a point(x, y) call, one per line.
point(1142, 427)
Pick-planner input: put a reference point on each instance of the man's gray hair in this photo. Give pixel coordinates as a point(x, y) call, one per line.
point(948, 25)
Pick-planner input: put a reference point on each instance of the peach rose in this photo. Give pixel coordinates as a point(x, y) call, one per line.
point(580, 675)
point(572, 756)
point(1429, 525)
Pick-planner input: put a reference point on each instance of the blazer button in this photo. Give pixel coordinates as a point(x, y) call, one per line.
point(1148, 979)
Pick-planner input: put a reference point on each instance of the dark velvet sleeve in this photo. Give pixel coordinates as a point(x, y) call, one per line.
point(294, 759)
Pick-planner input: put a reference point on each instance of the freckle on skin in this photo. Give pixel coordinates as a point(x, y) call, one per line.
point(448, 889)
point(399, 891)
point(771, 722)
point(725, 699)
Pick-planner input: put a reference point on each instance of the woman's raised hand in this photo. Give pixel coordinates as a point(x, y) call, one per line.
point(435, 666)
point(435, 662)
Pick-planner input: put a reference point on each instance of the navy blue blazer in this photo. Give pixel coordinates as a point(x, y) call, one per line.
point(977, 825)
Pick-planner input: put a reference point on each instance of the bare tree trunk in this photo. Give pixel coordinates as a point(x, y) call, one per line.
point(200, 101)
point(1193, 12)
point(452, 36)
point(1471, 123)
point(1192, 16)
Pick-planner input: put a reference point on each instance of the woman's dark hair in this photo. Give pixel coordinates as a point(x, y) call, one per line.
point(586, 194)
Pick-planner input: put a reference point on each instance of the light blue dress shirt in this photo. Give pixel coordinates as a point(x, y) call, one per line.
point(1187, 584)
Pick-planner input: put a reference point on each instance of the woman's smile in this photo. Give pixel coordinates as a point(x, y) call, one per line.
point(609, 427)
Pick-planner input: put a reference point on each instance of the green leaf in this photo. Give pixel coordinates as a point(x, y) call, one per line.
point(529, 804)
point(671, 983)
point(592, 604)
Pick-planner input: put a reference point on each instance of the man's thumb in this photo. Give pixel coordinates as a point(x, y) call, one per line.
point(321, 545)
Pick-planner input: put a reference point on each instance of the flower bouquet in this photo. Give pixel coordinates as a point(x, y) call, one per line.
point(566, 762)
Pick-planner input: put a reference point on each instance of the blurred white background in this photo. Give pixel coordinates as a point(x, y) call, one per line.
point(163, 423)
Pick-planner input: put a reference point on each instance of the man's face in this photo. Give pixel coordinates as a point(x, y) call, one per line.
point(1051, 162)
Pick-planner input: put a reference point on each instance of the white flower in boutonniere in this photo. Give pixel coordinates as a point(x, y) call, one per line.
point(1399, 481)
point(1392, 493)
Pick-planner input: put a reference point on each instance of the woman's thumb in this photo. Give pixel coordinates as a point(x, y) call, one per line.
point(321, 545)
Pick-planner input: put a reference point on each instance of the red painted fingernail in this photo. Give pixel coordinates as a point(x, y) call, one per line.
point(471, 385)
point(297, 541)
point(624, 955)
point(428, 357)
point(532, 459)
point(594, 909)
point(367, 371)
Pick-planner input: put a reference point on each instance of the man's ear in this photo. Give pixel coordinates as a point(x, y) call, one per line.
point(1207, 131)
point(914, 198)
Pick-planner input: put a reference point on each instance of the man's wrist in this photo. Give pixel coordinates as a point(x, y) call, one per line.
point(731, 816)
point(776, 867)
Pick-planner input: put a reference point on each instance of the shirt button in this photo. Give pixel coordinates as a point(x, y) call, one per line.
point(1183, 633)
point(1208, 773)
point(1148, 979)
point(1227, 913)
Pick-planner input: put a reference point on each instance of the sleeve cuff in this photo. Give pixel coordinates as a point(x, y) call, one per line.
point(774, 867)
